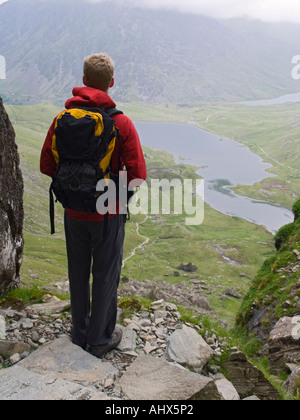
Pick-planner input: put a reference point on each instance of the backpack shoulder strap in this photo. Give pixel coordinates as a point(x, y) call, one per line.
point(112, 111)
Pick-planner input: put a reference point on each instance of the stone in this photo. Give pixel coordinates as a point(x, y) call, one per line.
point(227, 390)
point(128, 342)
point(11, 207)
point(109, 382)
point(287, 304)
point(188, 267)
point(149, 348)
point(200, 301)
point(61, 358)
point(15, 358)
point(151, 378)
point(247, 379)
point(50, 298)
point(158, 305)
point(233, 292)
point(159, 314)
point(284, 343)
point(186, 347)
point(292, 384)
point(171, 307)
point(26, 323)
point(9, 348)
point(25, 385)
point(52, 307)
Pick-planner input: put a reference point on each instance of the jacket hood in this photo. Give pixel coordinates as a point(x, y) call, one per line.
point(89, 97)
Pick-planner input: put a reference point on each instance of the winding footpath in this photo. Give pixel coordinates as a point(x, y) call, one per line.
point(140, 246)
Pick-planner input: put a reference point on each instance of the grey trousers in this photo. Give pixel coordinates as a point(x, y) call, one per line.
point(92, 250)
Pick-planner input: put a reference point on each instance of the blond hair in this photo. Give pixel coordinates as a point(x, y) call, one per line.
point(98, 70)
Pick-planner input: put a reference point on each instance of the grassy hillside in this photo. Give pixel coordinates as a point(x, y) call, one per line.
point(275, 291)
point(228, 251)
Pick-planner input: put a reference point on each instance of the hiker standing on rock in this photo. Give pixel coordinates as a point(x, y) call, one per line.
point(84, 148)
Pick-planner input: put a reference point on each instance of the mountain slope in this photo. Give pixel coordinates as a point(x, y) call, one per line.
point(160, 56)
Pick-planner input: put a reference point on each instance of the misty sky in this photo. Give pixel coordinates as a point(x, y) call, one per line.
point(268, 10)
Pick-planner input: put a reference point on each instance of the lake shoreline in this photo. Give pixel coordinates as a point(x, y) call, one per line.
point(265, 216)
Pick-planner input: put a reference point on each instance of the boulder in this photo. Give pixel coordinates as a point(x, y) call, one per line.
point(54, 306)
point(284, 343)
point(128, 342)
point(200, 301)
point(9, 348)
point(186, 347)
point(11, 207)
point(64, 360)
point(292, 384)
point(227, 390)
point(247, 379)
point(25, 385)
point(187, 267)
point(151, 378)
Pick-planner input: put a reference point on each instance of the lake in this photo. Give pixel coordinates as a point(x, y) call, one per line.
point(223, 163)
point(284, 99)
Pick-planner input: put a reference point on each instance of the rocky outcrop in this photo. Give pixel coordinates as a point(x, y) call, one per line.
point(189, 294)
point(275, 291)
point(159, 358)
point(292, 384)
point(11, 206)
point(247, 379)
point(28, 385)
point(284, 344)
point(271, 309)
point(199, 353)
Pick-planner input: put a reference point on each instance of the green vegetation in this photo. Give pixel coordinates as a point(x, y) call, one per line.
point(296, 209)
point(275, 291)
point(283, 234)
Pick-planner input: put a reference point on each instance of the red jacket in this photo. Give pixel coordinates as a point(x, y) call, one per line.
point(129, 149)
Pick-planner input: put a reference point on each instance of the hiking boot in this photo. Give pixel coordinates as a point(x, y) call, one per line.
point(100, 351)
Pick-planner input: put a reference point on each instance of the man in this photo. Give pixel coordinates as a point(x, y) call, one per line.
point(90, 245)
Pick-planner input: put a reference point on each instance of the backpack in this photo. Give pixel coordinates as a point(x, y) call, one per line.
point(83, 143)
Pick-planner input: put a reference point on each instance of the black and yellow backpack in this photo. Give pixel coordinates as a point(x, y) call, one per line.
point(82, 146)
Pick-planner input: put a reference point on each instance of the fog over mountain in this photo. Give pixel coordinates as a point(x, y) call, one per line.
point(161, 56)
